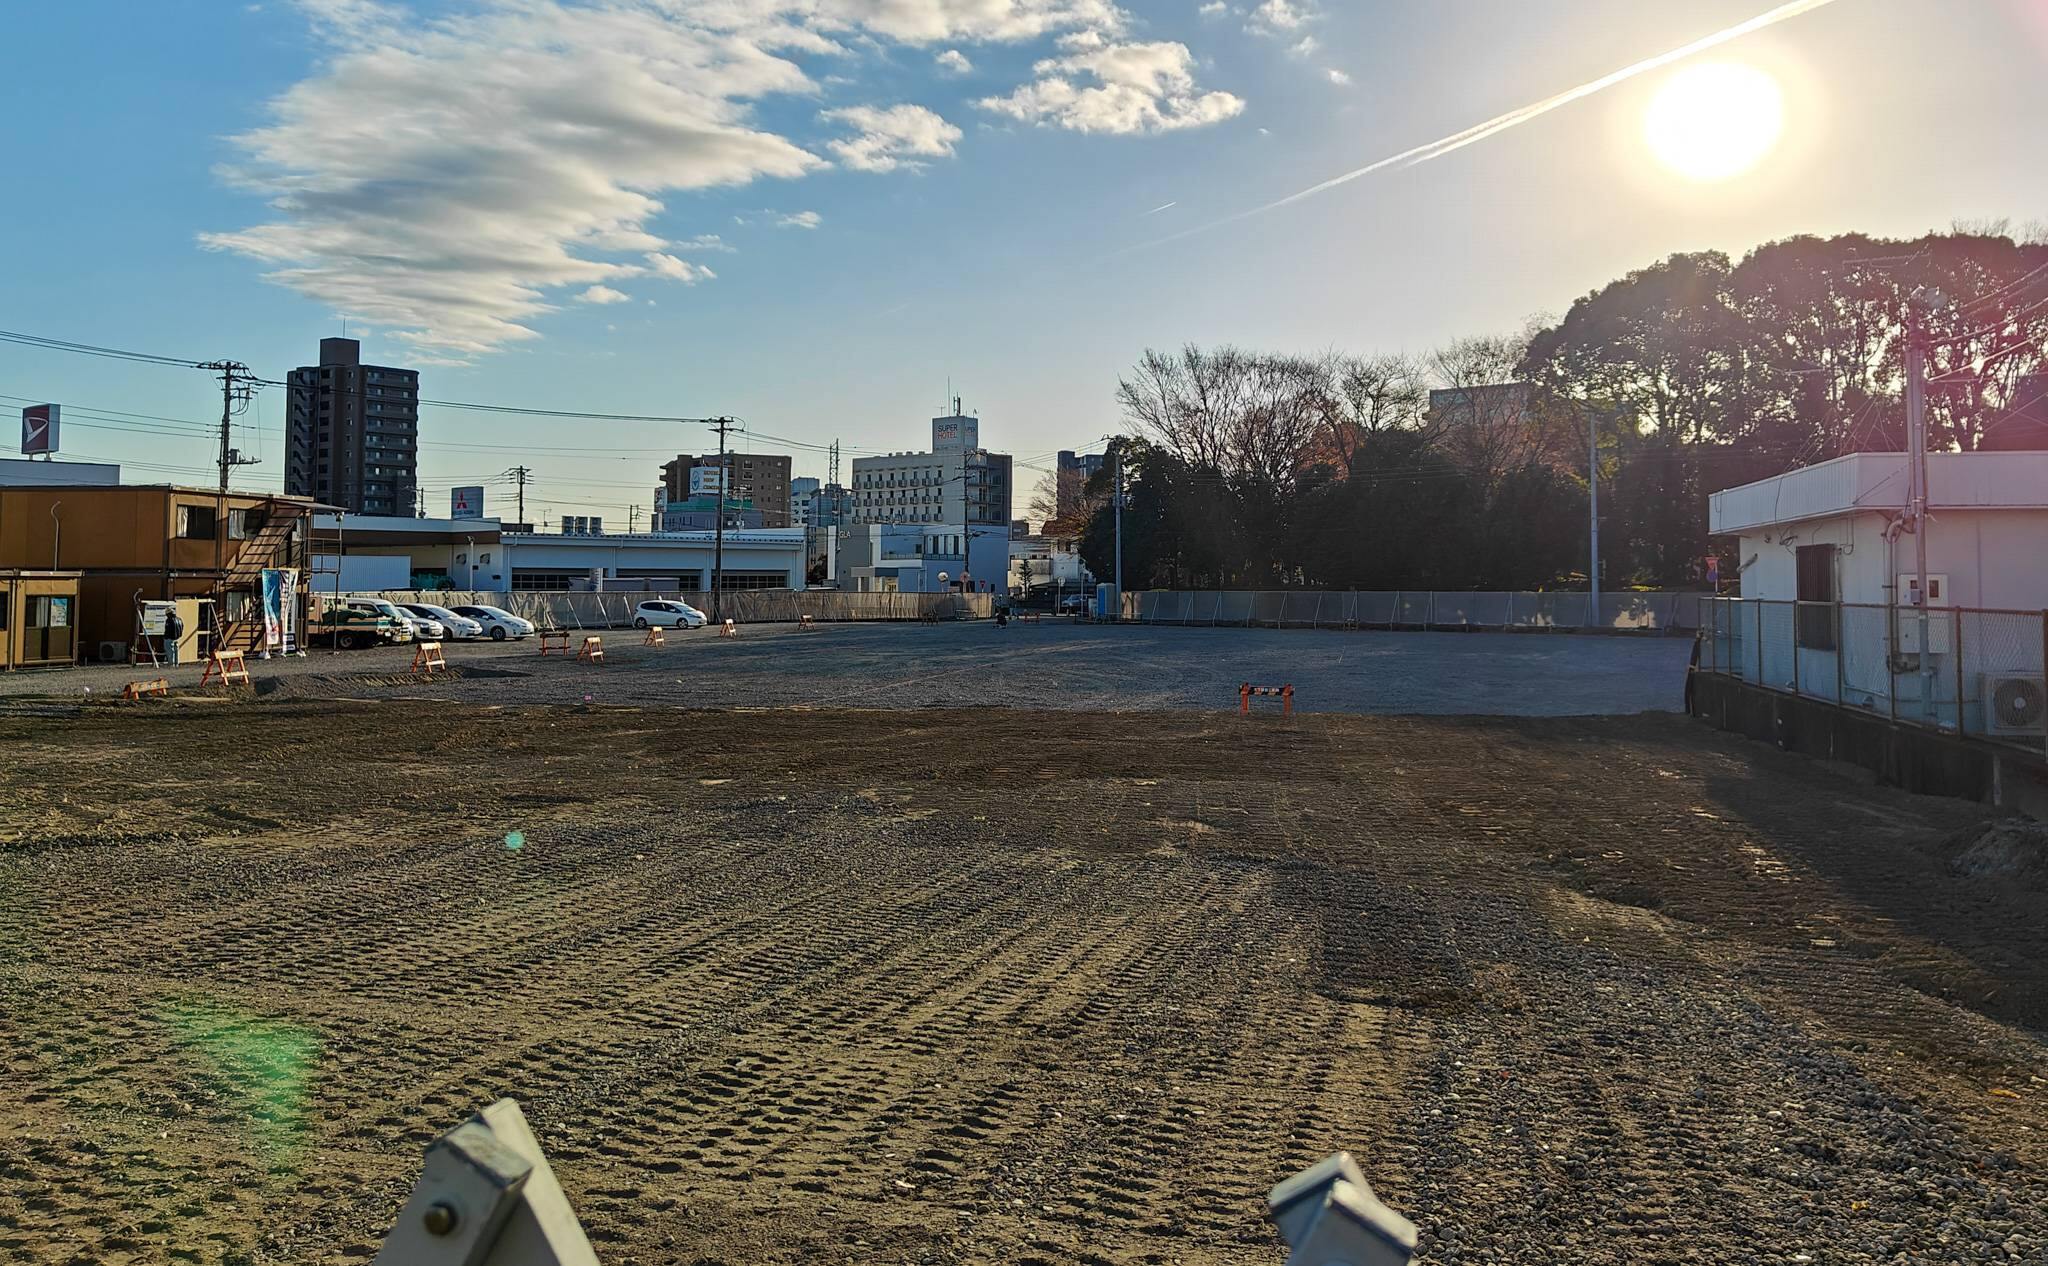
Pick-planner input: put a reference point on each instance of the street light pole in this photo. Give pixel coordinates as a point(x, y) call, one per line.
point(1593, 516)
point(1119, 458)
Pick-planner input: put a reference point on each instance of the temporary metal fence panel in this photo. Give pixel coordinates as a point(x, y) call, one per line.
point(1640, 612)
point(580, 610)
point(1553, 611)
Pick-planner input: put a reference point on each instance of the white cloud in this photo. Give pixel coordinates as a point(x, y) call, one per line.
point(1214, 9)
point(891, 137)
point(800, 220)
point(1338, 77)
point(603, 294)
point(1281, 17)
point(704, 242)
point(449, 175)
point(1306, 46)
point(673, 269)
point(1139, 87)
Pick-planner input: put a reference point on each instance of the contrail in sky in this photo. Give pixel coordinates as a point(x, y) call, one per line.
point(1515, 117)
point(1168, 206)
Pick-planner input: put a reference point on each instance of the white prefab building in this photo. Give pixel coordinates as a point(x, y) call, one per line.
point(1829, 605)
point(1988, 535)
point(754, 558)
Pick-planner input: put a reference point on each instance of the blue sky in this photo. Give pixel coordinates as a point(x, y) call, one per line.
point(812, 213)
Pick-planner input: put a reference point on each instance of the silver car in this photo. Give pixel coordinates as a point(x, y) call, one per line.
point(459, 628)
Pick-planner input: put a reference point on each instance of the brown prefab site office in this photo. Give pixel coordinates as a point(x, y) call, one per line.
point(38, 618)
point(151, 542)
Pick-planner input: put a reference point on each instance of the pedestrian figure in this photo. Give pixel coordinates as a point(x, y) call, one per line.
point(174, 632)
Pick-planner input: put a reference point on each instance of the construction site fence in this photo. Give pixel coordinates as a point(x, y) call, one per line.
point(747, 606)
point(1960, 670)
point(1656, 612)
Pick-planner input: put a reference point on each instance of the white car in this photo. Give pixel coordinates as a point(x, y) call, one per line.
point(425, 628)
point(667, 615)
point(498, 623)
point(458, 628)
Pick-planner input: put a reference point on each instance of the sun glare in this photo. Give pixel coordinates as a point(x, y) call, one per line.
point(1714, 120)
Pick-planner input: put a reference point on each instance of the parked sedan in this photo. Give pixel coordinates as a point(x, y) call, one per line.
point(498, 623)
point(458, 628)
point(667, 615)
point(425, 628)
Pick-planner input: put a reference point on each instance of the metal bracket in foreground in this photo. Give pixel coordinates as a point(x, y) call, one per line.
point(1329, 1217)
point(486, 1197)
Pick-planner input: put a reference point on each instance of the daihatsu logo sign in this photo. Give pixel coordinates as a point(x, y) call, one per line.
point(39, 429)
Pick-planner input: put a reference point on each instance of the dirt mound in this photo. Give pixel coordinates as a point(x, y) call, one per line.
point(325, 685)
point(2010, 850)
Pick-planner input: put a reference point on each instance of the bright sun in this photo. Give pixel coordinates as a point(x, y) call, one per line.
point(1713, 120)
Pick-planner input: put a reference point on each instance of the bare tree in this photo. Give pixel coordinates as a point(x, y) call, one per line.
point(1365, 396)
point(1062, 505)
point(1483, 413)
point(1249, 416)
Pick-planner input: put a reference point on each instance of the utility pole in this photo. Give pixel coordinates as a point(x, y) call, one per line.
point(237, 388)
point(723, 425)
point(520, 473)
point(1921, 302)
point(632, 519)
point(1593, 516)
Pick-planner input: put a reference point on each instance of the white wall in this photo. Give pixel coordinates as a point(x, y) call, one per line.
point(1992, 558)
point(362, 573)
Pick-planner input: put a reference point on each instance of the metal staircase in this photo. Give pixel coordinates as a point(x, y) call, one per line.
point(271, 546)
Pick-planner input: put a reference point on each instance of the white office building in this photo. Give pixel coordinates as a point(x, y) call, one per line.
point(955, 480)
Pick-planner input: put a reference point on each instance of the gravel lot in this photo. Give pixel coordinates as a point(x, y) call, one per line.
point(1050, 665)
point(1004, 986)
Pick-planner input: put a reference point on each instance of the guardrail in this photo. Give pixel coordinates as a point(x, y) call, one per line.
point(1962, 670)
point(1415, 609)
point(747, 606)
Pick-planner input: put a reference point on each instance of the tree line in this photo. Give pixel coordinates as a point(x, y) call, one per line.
point(1466, 467)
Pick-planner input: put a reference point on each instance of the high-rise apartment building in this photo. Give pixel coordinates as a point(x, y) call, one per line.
point(352, 432)
point(760, 481)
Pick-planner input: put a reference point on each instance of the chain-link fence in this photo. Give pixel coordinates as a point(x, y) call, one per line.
point(1413, 609)
point(747, 606)
point(1965, 671)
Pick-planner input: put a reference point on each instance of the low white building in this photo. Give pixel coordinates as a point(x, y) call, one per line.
point(1828, 601)
point(378, 552)
point(911, 557)
point(754, 558)
point(1040, 560)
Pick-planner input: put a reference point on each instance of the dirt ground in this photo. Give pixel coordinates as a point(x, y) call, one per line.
point(987, 986)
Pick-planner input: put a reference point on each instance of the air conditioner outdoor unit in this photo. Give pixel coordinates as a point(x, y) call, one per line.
point(113, 652)
point(2014, 703)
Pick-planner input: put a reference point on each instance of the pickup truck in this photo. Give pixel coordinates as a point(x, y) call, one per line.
point(348, 625)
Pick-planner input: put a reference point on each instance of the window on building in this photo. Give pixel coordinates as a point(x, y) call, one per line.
point(1815, 624)
point(197, 523)
point(243, 524)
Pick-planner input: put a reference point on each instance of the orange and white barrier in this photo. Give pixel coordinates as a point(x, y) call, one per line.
point(426, 657)
point(593, 650)
point(806, 624)
point(655, 637)
point(138, 689)
point(1247, 692)
point(227, 667)
point(730, 629)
